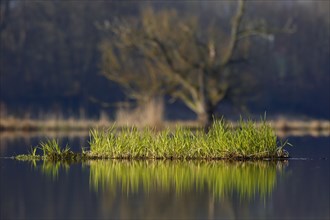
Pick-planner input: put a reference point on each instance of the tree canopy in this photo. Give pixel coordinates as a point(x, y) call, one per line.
point(165, 52)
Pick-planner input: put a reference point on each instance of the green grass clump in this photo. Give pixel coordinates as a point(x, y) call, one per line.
point(32, 156)
point(51, 151)
point(27, 157)
point(247, 140)
point(223, 141)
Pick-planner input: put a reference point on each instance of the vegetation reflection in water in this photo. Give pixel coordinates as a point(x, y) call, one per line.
point(52, 169)
point(247, 179)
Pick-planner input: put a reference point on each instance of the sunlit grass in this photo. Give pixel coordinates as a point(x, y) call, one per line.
point(248, 140)
point(247, 179)
point(223, 141)
point(51, 151)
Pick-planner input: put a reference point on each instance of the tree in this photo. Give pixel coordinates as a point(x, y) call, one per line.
point(167, 53)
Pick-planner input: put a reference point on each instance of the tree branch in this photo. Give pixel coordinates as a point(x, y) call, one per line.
point(175, 72)
point(266, 32)
point(236, 22)
point(186, 99)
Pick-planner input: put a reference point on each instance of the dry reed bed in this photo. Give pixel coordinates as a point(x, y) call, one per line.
point(17, 124)
point(26, 124)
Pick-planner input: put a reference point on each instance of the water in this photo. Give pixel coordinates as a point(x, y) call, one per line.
point(294, 189)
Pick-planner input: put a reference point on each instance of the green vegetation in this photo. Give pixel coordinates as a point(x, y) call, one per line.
point(247, 179)
point(28, 157)
point(51, 151)
point(223, 141)
point(248, 140)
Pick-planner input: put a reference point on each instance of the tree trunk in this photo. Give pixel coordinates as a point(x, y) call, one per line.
point(206, 109)
point(205, 117)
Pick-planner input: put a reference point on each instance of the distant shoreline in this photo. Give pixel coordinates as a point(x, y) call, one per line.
point(281, 125)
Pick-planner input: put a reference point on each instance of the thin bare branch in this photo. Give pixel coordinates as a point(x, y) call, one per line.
point(266, 32)
point(236, 23)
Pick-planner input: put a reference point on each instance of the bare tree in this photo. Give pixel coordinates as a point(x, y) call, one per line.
point(165, 52)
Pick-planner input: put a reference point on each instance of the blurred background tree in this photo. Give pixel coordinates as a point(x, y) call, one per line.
point(50, 55)
point(162, 52)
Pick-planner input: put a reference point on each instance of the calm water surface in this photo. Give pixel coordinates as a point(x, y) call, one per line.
point(295, 189)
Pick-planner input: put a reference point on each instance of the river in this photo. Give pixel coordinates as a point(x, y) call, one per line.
point(294, 189)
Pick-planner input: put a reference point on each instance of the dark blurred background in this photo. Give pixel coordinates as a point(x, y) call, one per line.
point(51, 61)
